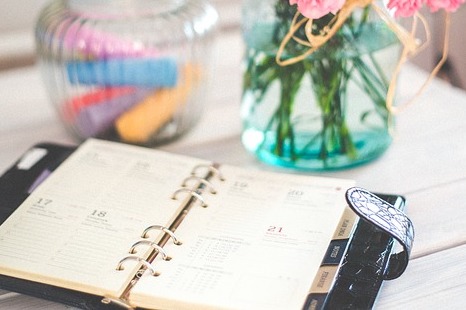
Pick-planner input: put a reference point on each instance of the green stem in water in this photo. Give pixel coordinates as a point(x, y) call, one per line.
point(290, 81)
point(330, 78)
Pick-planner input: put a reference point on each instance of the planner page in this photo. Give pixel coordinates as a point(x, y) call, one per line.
point(75, 228)
point(257, 245)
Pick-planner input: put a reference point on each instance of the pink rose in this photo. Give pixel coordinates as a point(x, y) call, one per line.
point(448, 5)
point(405, 8)
point(315, 9)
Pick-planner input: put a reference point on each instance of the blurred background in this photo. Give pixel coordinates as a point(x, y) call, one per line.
point(17, 19)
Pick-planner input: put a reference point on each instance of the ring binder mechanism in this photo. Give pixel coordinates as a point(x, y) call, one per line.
point(200, 180)
point(164, 229)
point(157, 247)
point(139, 260)
point(193, 193)
point(212, 169)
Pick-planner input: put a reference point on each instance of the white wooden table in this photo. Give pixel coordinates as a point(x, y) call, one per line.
point(426, 163)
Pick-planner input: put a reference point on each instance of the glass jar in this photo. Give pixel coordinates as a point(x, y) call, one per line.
point(134, 71)
point(327, 111)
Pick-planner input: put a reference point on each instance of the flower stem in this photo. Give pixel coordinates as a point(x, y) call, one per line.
point(290, 82)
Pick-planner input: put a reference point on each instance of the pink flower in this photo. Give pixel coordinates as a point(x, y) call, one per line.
point(406, 8)
point(315, 9)
point(448, 5)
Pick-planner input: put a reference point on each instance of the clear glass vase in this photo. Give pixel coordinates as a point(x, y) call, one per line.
point(327, 111)
point(134, 71)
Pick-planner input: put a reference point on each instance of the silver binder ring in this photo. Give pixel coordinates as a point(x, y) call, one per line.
point(139, 260)
point(192, 193)
point(157, 247)
point(211, 169)
point(200, 180)
point(164, 229)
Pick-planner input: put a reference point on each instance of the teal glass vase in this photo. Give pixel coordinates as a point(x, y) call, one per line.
point(327, 111)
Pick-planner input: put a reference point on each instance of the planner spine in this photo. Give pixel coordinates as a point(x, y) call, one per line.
point(194, 186)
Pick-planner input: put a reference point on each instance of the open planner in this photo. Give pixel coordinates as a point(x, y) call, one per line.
point(110, 225)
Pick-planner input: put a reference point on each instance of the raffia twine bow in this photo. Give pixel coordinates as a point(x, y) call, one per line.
point(411, 45)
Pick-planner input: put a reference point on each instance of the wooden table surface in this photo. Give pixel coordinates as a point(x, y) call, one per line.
point(426, 163)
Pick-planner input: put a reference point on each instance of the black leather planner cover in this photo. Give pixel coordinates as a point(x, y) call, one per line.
point(362, 272)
